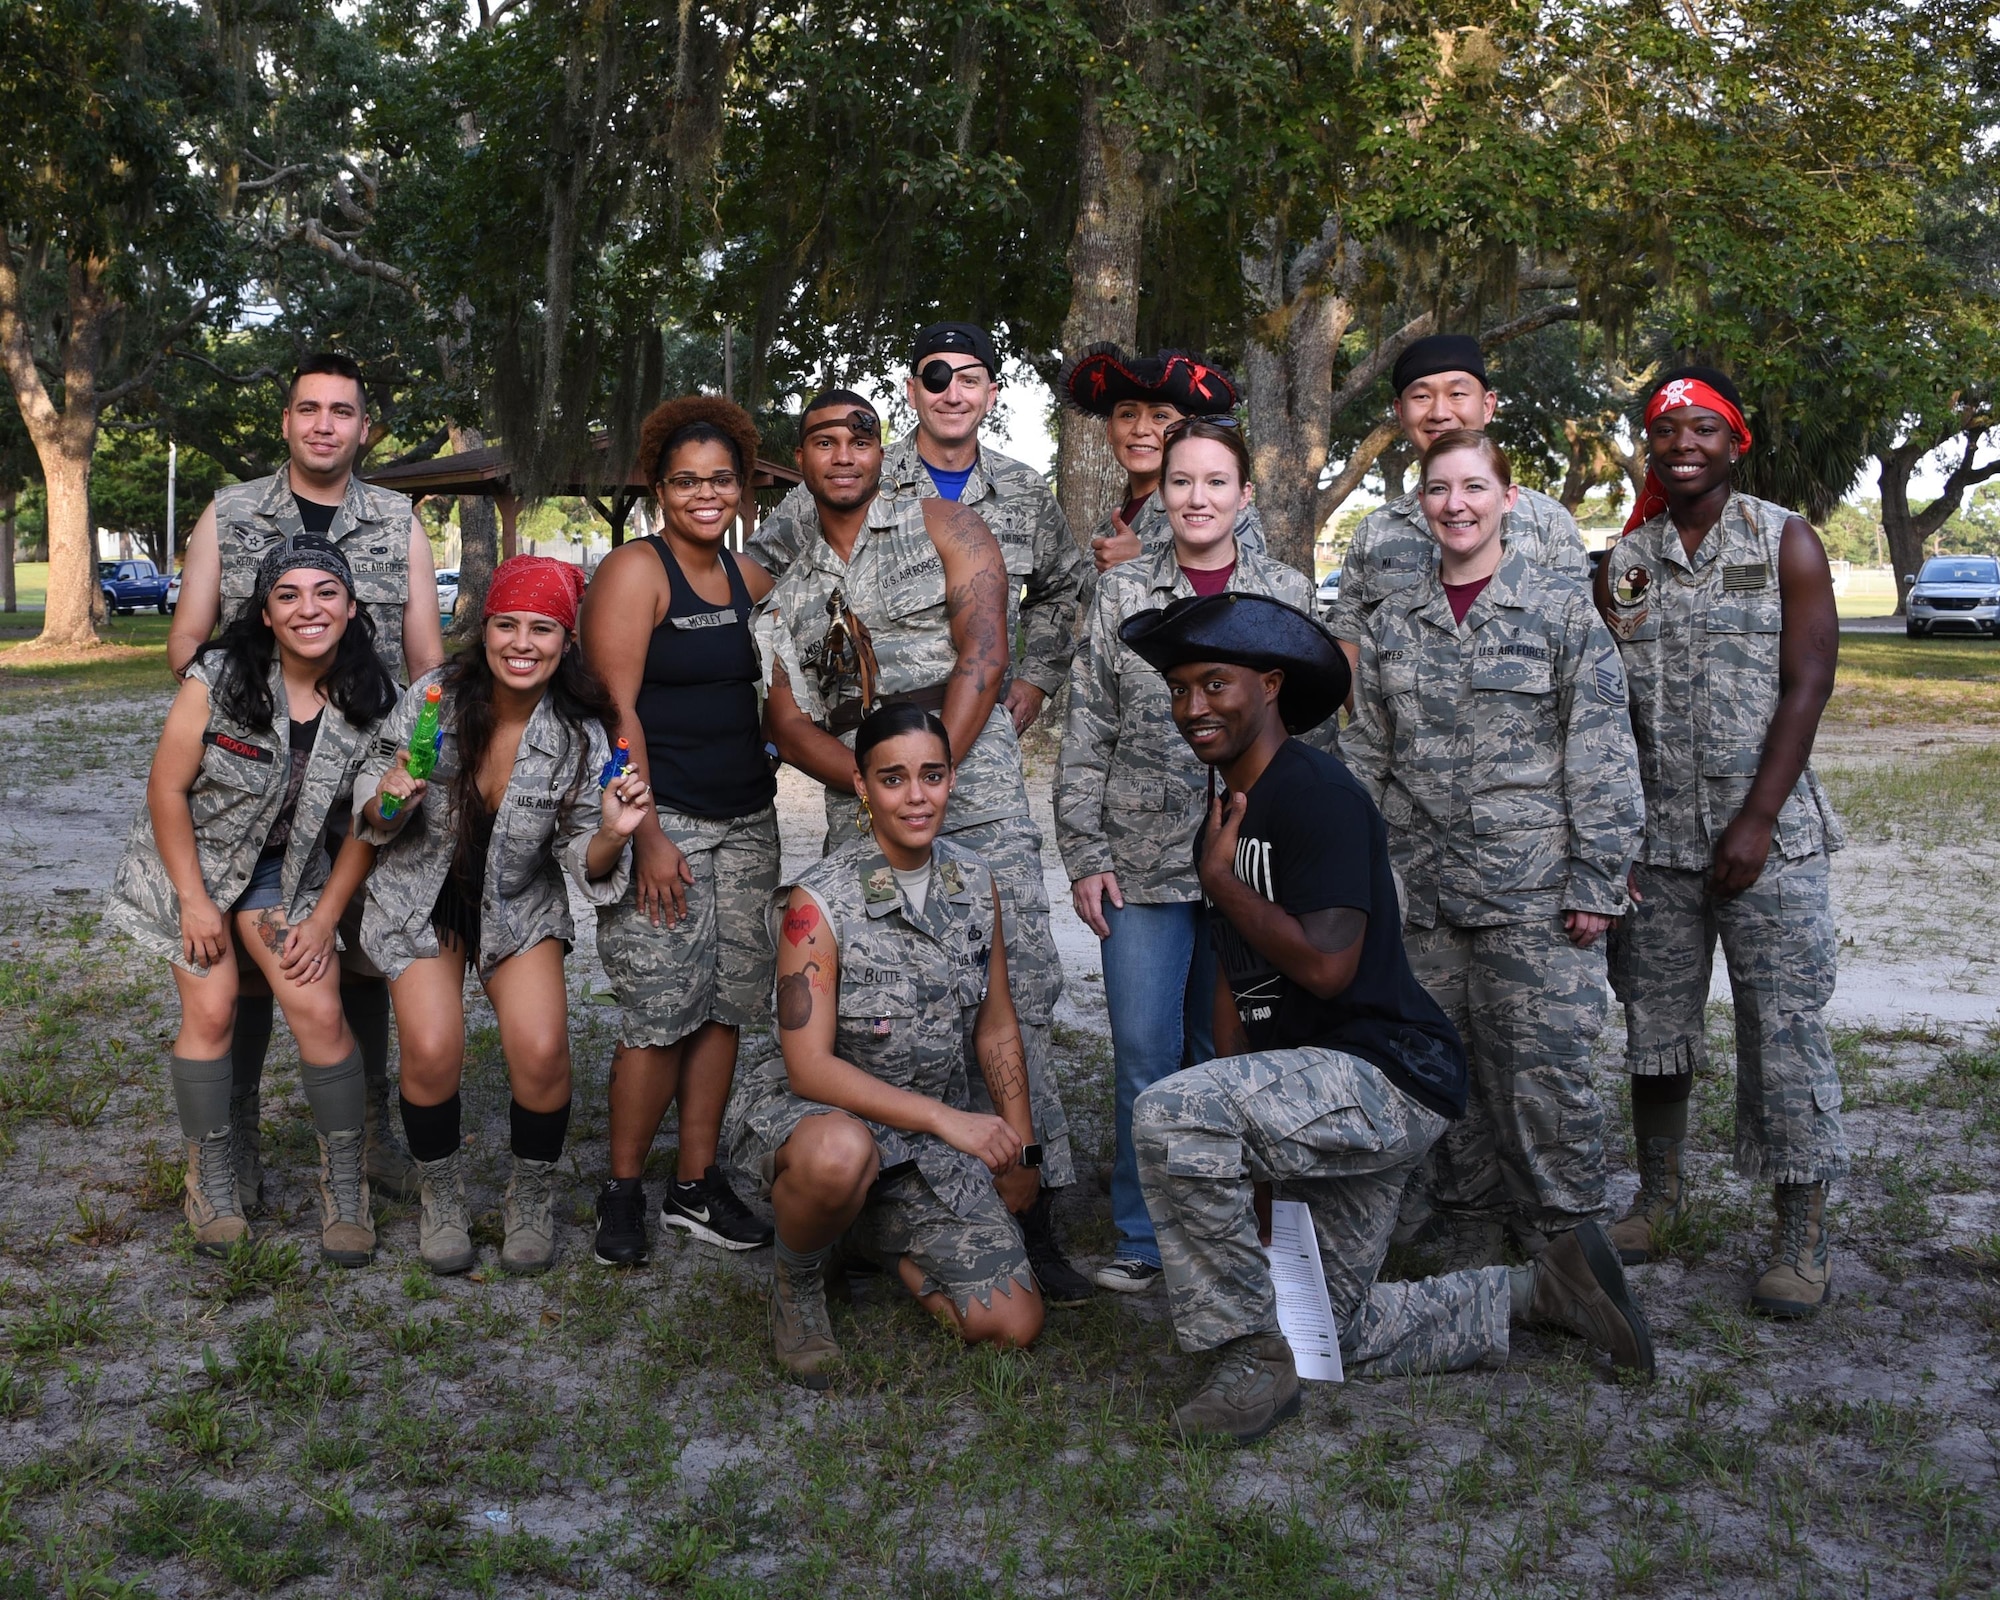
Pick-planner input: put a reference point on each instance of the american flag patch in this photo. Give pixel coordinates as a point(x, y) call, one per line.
point(1750, 575)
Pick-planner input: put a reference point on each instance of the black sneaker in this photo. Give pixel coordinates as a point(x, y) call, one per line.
point(621, 1224)
point(1128, 1275)
point(708, 1209)
point(1062, 1284)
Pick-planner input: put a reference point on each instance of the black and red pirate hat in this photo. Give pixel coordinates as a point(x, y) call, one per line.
point(1104, 376)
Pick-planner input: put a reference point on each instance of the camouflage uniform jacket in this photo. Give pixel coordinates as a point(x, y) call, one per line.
point(237, 795)
point(372, 529)
point(1394, 549)
point(1700, 641)
point(1129, 792)
point(1012, 500)
point(909, 989)
point(1498, 750)
point(894, 581)
point(544, 826)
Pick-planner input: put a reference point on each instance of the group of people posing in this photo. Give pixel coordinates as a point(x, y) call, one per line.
point(1362, 963)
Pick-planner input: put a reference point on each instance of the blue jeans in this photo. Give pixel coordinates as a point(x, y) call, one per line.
point(1159, 986)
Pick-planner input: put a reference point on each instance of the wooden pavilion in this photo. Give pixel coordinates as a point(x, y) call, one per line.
point(490, 474)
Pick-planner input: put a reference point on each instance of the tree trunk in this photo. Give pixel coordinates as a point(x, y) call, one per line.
point(478, 544)
point(63, 440)
point(1297, 319)
point(9, 502)
point(1907, 529)
point(1103, 304)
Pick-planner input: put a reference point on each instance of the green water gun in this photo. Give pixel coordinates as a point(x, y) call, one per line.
point(425, 739)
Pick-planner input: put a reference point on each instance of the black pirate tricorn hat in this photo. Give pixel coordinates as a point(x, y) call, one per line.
point(1104, 376)
point(1249, 630)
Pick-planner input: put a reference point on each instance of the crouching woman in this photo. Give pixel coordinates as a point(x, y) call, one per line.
point(470, 877)
point(891, 961)
point(232, 857)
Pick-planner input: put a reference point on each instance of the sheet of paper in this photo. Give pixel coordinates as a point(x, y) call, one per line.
point(1305, 1315)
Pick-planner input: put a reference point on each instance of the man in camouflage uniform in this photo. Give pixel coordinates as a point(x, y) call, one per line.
point(325, 425)
point(893, 580)
point(943, 458)
point(1723, 609)
point(910, 990)
point(1440, 384)
point(1500, 753)
point(1337, 1071)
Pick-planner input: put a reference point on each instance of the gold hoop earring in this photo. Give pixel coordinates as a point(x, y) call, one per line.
point(866, 820)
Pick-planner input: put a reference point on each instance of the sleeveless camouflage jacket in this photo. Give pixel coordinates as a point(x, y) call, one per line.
point(910, 987)
point(894, 582)
point(1699, 636)
point(237, 795)
point(372, 529)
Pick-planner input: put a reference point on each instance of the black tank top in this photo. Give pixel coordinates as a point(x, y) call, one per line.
point(698, 702)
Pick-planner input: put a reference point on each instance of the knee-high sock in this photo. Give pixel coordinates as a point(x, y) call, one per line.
point(538, 1135)
point(201, 1094)
point(250, 1043)
point(365, 1001)
point(335, 1093)
point(433, 1131)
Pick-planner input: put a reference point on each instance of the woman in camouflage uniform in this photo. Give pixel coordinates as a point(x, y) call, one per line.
point(891, 971)
point(1490, 727)
point(1140, 398)
point(236, 817)
point(1129, 796)
point(472, 877)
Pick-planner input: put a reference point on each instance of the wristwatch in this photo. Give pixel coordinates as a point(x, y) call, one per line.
point(1031, 1155)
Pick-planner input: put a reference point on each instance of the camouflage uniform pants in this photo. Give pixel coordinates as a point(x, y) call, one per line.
point(1334, 1132)
point(967, 1253)
point(716, 964)
point(1778, 939)
point(1529, 1005)
point(1012, 848)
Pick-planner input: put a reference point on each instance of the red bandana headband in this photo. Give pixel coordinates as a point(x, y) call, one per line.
point(541, 584)
point(1672, 397)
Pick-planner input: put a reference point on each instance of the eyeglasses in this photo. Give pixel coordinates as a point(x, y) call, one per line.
point(687, 485)
point(937, 376)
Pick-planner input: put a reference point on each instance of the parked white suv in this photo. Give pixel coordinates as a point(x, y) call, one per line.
point(1954, 594)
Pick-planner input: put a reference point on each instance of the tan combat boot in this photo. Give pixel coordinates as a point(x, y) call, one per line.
point(390, 1167)
point(530, 1246)
point(211, 1203)
point(1579, 1285)
point(444, 1227)
point(1254, 1387)
point(801, 1332)
point(1800, 1278)
point(346, 1230)
point(246, 1112)
point(1660, 1132)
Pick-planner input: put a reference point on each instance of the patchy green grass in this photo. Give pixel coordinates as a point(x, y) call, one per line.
point(1889, 681)
point(1952, 796)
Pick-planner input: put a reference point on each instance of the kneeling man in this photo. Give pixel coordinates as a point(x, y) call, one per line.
point(1336, 1071)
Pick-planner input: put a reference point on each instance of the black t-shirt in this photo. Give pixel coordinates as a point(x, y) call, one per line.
point(1312, 840)
point(304, 735)
point(316, 516)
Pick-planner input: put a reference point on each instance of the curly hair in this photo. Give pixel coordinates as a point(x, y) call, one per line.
point(692, 418)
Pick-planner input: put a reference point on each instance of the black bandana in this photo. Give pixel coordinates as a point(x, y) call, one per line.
point(301, 550)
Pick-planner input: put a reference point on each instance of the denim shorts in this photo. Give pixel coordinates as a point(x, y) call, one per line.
point(263, 890)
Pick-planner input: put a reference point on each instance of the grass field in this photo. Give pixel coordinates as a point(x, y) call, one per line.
point(171, 1426)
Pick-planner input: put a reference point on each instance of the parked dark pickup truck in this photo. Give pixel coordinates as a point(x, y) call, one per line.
point(131, 585)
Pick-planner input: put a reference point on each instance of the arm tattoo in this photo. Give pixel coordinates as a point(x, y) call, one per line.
point(795, 1001)
point(1006, 1071)
point(1335, 930)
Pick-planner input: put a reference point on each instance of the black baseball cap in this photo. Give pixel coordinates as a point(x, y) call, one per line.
point(956, 338)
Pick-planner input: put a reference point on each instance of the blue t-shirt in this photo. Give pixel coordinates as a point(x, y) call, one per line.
point(950, 485)
point(1311, 839)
